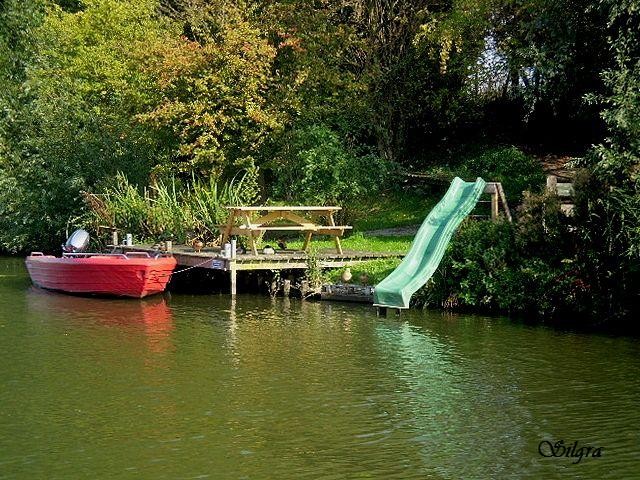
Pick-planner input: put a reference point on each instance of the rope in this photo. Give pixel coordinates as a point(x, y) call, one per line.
point(185, 269)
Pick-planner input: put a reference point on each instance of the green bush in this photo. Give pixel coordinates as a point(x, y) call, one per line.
point(492, 267)
point(608, 196)
point(516, 170)
point(314, 166)
point(465, 277)
point(543, 230)
point(607, 235)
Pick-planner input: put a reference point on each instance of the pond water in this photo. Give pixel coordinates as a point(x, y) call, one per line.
point(209, 387)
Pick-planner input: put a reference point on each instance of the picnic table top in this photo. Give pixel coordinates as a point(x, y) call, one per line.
point(284, 208)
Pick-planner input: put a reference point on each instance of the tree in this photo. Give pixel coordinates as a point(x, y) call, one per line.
point(417, 57)
point(74, 122)
point(608, 216)
point(550, 54)
point(213, 86)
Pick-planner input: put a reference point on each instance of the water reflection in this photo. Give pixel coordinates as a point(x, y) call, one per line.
point(153, 314)
point(254, 387)
point(451, 409)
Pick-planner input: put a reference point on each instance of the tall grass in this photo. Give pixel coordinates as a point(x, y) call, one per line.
point(205, 201)
point(169, 209)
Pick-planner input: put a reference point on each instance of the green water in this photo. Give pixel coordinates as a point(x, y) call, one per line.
point(206, 387)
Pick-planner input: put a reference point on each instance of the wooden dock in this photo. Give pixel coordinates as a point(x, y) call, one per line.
point(281, 260)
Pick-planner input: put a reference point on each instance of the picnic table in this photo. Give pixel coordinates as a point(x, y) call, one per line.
point(305, 219)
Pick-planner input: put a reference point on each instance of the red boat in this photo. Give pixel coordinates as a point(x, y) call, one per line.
point(135, 274)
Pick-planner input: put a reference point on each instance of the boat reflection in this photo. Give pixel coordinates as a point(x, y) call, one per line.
point(153, 314)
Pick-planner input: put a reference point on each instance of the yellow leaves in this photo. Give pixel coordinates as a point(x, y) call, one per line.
point(445, 52)
point(256, 114)
point(214, 93)
point(440, 39)
point(288, 40)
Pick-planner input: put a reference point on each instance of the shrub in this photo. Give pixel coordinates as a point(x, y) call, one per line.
point(608, 198)
point(607, 243)
point(486, 268)
point(516, 170)
point(543, 230)
point(465, 277)
point(314, 166)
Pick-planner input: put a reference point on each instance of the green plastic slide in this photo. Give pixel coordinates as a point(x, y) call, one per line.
point(429, 245)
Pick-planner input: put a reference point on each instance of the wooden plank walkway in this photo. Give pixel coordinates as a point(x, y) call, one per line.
point(281, 260)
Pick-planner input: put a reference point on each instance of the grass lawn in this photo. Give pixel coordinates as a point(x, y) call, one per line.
point(387, 210)
point(390, 209)
point(376, 270)
point(357, 241)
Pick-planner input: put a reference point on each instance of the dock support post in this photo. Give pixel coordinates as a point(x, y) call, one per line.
point(381, 311)
point(234, 277)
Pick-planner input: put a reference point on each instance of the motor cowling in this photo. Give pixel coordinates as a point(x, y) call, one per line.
point(77, 242)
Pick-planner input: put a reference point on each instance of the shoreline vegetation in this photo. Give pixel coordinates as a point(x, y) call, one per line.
point(150, 116)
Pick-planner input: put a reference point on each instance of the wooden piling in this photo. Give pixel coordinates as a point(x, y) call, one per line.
point(233, 273)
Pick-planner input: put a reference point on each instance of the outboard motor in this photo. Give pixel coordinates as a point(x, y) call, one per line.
point(77, 242)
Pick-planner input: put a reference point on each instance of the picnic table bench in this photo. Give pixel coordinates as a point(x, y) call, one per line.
point(300, 219)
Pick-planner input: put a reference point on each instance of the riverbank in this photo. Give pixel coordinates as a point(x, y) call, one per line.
point(542, 266)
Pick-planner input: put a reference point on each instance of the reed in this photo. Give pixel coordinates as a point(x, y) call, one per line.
point(169, 209)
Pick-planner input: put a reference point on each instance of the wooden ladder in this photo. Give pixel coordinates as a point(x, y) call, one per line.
point(497, 198)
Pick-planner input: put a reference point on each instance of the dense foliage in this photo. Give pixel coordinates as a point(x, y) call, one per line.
point(154, 106)
point(524, 268)
point(72, 122)
point(516, 170)
point(314, 165)
point(608, 219)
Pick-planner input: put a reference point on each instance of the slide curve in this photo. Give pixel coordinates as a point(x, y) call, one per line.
point(429, 245)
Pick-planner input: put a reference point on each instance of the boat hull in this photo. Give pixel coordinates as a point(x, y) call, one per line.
point(114, 275)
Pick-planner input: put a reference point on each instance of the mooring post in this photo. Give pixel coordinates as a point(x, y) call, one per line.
point(234, 276)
